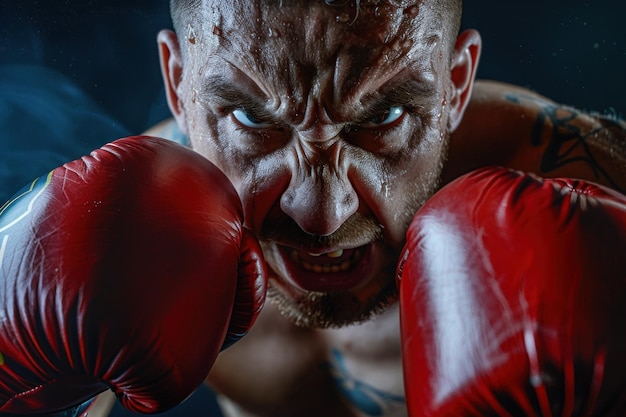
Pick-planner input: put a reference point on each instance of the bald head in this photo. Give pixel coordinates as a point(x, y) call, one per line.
point(352, 12)
point(328, 116)
point(342, 53)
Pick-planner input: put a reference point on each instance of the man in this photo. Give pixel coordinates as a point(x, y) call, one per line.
point(335, 121)
point(332, 120)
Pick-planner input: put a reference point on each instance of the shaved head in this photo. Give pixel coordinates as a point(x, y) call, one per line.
point(184, 12)
point(331, 119)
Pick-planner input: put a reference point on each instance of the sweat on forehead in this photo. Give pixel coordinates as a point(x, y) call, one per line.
point(353, 12)
point(302, 46)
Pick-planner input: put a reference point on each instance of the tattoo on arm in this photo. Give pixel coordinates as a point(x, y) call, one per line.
point(568, 136)
point(364, 397)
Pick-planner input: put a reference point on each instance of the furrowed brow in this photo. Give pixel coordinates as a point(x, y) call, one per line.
point(412, 93)
point(227, 95)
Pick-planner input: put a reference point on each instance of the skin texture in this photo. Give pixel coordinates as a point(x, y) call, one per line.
point(332, 130)
point(342, 372)
point(326, 166)
point(318, 372)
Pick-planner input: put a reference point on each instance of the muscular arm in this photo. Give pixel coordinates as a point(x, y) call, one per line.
point(514, 127)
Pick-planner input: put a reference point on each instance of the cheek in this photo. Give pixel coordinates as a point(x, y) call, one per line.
point(260, 186)
point(259, 182)
point(393, 189)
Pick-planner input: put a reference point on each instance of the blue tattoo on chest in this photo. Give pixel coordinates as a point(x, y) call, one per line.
point(366, 398)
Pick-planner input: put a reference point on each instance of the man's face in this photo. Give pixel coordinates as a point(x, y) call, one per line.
point(332, 127)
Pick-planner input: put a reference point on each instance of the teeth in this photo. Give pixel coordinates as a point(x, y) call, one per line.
point(325, 269)
point(334, 254)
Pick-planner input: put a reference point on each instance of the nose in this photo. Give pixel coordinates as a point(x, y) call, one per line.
point(320, 199)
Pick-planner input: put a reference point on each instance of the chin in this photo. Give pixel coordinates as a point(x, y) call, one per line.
point(313, 309)
point(330, 281)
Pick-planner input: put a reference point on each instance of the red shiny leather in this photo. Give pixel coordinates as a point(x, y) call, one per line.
point(513, 299)
point(120, 270)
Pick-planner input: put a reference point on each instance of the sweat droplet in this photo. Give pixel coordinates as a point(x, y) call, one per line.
point(407, 44)
point(413, 10)
point(343, 18)
point(273, 33)
point(191, 34)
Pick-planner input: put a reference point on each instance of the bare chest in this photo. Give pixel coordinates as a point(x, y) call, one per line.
point(365, 365)
point(282, 370)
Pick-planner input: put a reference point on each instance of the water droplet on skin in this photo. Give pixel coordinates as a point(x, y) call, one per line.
point(343, 18)
point(407, 44)
point(191, 35)
point(385, 189)
point(273, 33)
point(413, 10)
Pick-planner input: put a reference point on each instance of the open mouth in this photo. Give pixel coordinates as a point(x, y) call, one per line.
point(327, 271)
point(340, 260)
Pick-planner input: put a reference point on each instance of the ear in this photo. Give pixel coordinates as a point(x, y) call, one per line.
point(463, 73)
point(172, 71)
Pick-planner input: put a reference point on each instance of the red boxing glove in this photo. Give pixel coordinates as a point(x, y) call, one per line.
point(127, 269)
point(513, 299)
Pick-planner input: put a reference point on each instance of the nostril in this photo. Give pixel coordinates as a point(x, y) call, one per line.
point(318, 214)
point(320, 198)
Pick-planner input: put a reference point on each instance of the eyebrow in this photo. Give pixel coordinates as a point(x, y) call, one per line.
point(230, 96)
point(226, 94)
point(409, 93)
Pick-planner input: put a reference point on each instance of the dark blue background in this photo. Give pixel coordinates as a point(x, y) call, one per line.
point(76, 74)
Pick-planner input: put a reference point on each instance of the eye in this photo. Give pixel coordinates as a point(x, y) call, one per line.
point(388, 117)
point(249, 121)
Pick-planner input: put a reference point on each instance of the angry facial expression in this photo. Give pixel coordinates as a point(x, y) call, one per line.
point(332, 124)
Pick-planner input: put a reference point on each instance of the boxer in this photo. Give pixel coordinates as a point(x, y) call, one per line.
point(333, 146)
point(335, 122)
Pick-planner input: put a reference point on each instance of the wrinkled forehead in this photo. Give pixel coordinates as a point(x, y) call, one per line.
point(281, 39)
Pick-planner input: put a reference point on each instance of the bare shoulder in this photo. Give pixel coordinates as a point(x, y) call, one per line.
point(167, 129)
point(515, 127)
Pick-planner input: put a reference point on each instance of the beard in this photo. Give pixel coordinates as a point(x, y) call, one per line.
point(330, 310)
point(338, 309)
